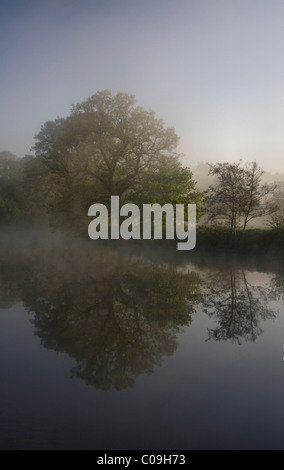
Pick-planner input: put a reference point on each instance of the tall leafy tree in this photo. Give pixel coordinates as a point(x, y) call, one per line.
point(107, 146)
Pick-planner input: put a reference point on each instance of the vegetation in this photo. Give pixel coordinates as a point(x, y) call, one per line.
point(276, 221)
point(267, 243)
point(238, 196)
point(109, 146)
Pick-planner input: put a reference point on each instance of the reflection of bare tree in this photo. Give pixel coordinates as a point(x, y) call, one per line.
point(116, 314)
point(276, 287)
point(237, 306)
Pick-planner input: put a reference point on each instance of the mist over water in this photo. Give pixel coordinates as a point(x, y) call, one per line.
point(98, 340)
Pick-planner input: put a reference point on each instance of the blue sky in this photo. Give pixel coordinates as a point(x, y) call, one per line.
point(214, 69)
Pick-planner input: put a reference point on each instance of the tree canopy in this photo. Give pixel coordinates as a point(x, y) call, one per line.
point(109, 146)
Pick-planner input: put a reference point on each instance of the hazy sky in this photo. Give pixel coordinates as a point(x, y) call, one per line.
point(214, 69)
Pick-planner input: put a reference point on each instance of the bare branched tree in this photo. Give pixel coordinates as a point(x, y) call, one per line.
point(238, 195)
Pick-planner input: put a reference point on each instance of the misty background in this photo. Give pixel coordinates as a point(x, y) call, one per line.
point(212, 69)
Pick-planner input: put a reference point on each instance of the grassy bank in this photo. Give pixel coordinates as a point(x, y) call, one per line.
point(252, 241)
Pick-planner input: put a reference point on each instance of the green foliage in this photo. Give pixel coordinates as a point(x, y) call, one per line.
point(263, 243)
point(36, 188)
point(11, 193)
point(213, 237)
point(169, 183)
point(108, 146)
point(24, 189)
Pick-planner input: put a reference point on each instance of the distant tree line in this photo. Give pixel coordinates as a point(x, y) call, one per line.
point(22, 194)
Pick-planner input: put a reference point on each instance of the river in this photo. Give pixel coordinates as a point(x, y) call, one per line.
point(124, 347)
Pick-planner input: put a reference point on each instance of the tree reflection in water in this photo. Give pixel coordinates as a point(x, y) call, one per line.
point(237, 306)
point(117, 314)
point(117, 311)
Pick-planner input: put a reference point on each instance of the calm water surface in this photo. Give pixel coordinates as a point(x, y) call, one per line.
point(124, 348)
